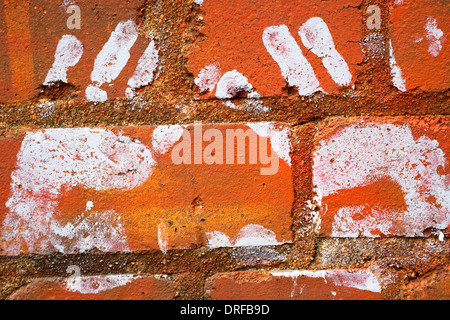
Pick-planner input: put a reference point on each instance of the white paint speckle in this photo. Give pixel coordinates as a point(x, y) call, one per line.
point(396, 72)
point(89, 205)
point(295, 69)
point(55, 158)
point(279, 139)
point(112, 58)
point(163, 238)
point(96, 284)
point(68, 52)
point(231, 83)
point(143, 75)
point(316, 37)
point(358, 279)
point(435, 36)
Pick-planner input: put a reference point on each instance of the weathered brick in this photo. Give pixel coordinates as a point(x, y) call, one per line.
point(294, 285)
point(123, 188)
point(265, 46)
point(419, 54)
point(110, 287)
point(382, 176)
point(44, 46)
point(433, 286)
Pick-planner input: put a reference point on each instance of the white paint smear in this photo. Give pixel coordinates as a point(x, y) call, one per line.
point(396, 72)
point(163, 238)
point(279, 139)
point(68, 52)
point(249, 235)
point(53, 159)
point(316, 37)
point(164, 137)
point(113, 57)
point(295, 69)
point(434, 36)
point(208, 77)
point(96, 284)
point(231, 83)
point(143, 75)
point(361, 154)
point(358, 279)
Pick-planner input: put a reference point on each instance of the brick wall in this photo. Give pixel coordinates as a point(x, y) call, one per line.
point(213, 149)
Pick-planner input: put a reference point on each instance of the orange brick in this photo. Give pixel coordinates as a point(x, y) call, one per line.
point(121, 189)
point(294, 285)
point(419, 34)
point(110, 287)
point(382, 177)
point(273, 42)
point(45, 46)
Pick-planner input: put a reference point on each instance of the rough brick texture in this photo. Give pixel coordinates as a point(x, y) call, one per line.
point(189, 149)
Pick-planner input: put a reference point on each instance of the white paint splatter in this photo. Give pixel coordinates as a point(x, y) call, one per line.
point(89, 205)
point(279, 139)
point(396, 72)
point(68, 52)
point(53, 159)
point(112, 58)
point(434, 36)
point(96, 284)
point(232, 83)
point(252, 106)
point(199, 2)
point(361, 154)
point(358, 279)
point(249, 235)
point(373, 45)
point(143, 75)
point(96, 94)
point(46, 109)
point(398, 2)
point(295, 69)
point(316, 37)
point(164, 137)
point(208, 77)
point(163, 238)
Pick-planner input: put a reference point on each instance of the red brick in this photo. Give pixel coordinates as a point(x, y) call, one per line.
point(432, 286)
point(111, 287)
point(419, 34)
point(118, 189)
point(294, 285)
point(34, 30)
point(233, 40)
point(382, 176)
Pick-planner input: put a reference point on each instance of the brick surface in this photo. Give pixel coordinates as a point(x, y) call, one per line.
point(122, 189)
point(308, 45)
point(294, 285)
point(432, 286)
point(419, 35)
point(382, 176)
point(43, 48)
point(111, 287)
